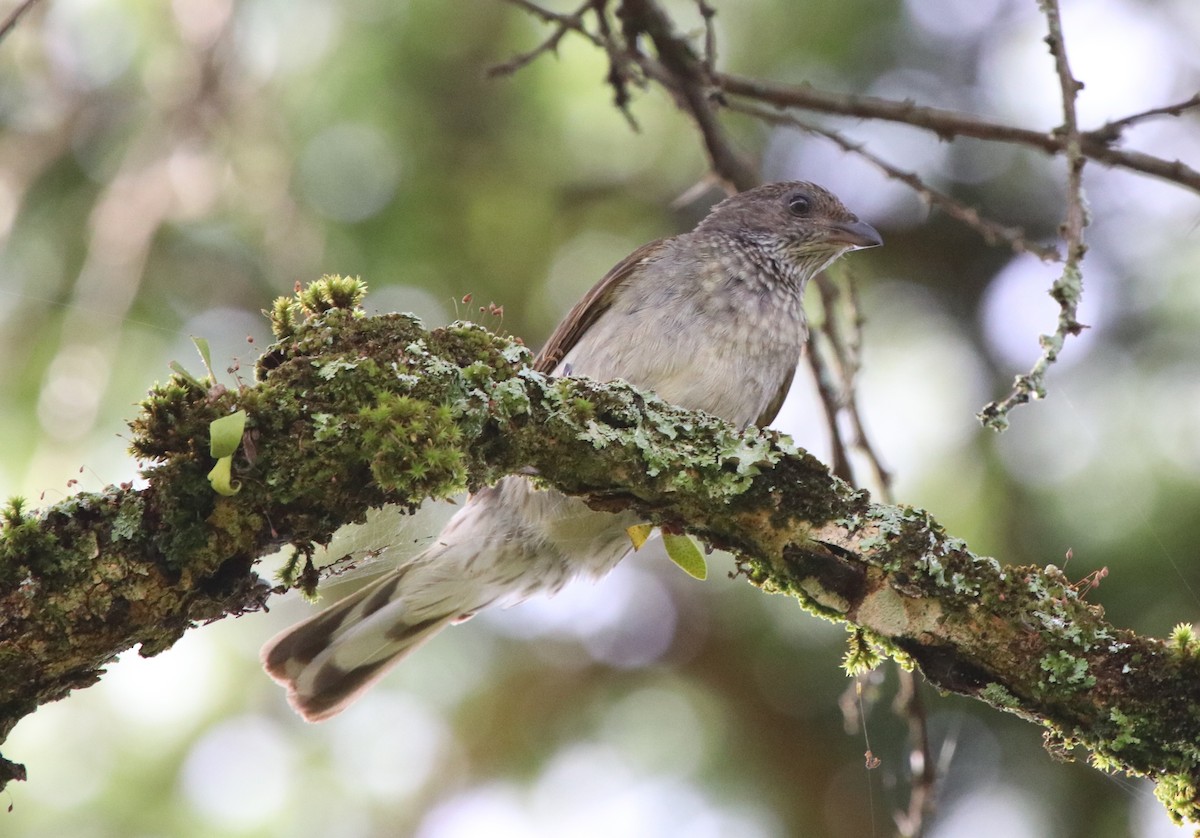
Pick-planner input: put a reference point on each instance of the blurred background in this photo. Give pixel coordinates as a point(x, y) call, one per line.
point(167, 169)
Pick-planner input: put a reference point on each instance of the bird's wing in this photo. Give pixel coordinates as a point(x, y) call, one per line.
point(593, 304)
point(772, 409)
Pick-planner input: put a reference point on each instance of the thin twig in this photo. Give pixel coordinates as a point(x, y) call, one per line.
point(847, 348)
point(948, 124)
point(830, 394)
point(910, 822)
point(944, 123)
point(680, 71)
point(562, 25)
point(991, 231)
point(709, 14)
point(923, 771)
point(622, 68)
point(1068, 288)
point(546, 15)
point(14, 17)
point(1111, 131)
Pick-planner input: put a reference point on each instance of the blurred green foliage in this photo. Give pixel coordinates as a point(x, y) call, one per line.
point(167, 169)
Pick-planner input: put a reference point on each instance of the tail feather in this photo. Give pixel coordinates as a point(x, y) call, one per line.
point(327, 661)
point(506, 544)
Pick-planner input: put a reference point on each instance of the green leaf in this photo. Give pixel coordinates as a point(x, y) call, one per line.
point(684, 552)
point(221, 477)
point(178, 369)
point(205, 356)
point(225, 434)
point(638, 534)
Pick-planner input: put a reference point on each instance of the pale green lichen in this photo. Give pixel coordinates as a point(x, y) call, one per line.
point(330, 369)
point(516, 353)
point(508, 399)
point(1066, 670)
point(327, 426)
point(128, 522)
point(998, 695)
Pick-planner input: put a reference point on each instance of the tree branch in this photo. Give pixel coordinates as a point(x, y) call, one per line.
point(1111, 131)
point(992, 232)
point(562, 25)
point(1067, 290)
point(681, 71)
point(354, 412)
point(948, 124)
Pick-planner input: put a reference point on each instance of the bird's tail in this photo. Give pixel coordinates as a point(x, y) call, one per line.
point(327, 661)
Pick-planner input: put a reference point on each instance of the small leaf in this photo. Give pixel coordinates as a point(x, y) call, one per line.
point(221, 477)
point(205, 355)
point(639, 533)
point(225, 434)
point(684, 552)
point(178, 369)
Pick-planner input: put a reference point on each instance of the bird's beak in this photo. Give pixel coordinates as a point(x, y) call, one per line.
point(854, 234)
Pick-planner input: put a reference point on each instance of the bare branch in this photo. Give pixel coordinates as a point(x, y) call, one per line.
point(843, 314)
point(948, 124)
point(562, 25)
point(1067, 290)
point(923, 770)
point(680, 71)
point(991, 231)
point(830, 393)
point(1111, 131)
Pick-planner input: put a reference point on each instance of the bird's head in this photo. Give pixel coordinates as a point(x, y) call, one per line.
point(802, 222)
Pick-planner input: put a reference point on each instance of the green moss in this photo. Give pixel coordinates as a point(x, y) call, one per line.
point(1123, 736)
point(1184, 643)
point(862, 655)
point(300, 572)
point(285, 316)
point(1177, 792)
point(20, 538)
point(416, 446)
point(332, 292)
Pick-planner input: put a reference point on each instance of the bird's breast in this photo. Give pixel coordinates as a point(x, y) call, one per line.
point(723, 356)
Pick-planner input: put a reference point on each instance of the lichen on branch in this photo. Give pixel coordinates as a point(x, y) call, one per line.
point(353, 412)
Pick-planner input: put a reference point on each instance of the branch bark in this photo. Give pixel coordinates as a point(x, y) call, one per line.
point(947, 124)
point(354, 412)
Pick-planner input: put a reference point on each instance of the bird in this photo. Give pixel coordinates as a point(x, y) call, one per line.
point(711, 320)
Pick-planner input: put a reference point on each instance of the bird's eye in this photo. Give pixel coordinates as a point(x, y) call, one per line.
point(799, 205)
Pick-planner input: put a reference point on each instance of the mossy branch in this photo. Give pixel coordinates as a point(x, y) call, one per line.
point(354, 412)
